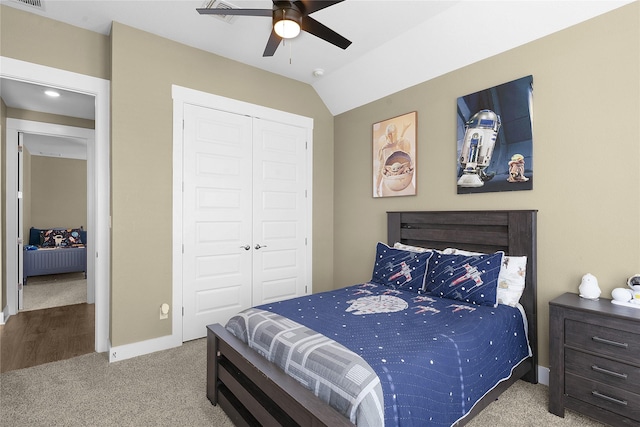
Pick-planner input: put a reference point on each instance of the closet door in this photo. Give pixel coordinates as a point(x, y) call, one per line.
point(279, 211)
point(217, 214)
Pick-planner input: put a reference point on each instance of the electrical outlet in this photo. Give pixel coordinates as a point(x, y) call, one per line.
point(164, 311)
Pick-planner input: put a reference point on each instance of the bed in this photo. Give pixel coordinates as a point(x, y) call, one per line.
point(44, 255)
point(255, 391)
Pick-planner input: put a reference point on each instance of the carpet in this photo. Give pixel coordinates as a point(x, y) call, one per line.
point(54, 290)
point(169, 388)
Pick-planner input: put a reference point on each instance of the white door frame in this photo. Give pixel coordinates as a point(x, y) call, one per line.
point(98, 220)
point(182, 95)
point(28, 127)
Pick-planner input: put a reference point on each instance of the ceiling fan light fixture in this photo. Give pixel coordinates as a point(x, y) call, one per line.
point(286, 22)
point(286, 28)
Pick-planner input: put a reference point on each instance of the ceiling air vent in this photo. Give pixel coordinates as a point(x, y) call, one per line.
point(219, 4)
point(37, 4)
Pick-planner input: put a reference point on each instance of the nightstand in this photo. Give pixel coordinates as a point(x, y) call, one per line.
point(594, 357)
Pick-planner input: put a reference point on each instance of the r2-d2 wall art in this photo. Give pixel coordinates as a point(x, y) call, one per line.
point(481, 131)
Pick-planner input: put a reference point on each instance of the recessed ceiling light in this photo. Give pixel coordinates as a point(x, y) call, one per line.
point(52, 93)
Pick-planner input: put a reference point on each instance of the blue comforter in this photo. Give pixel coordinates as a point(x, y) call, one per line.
point(435, 357)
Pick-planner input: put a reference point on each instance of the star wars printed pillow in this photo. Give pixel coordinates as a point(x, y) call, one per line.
point(511, 280)
point(400, 269)
point(472, 279)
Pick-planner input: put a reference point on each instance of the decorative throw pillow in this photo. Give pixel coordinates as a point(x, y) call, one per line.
point(511, 280)
point(472, 279)
point(400, 269)
point(61, 237)
point(35, 236)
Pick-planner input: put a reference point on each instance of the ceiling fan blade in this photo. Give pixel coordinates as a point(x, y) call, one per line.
point(310, 6)
point(272, 44)
point(242, 12)
point(314, 27)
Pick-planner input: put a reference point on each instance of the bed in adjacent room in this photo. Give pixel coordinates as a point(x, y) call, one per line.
point(446, 323)
point(54, 251)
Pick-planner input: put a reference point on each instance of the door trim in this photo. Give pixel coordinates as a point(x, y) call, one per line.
point(99, 221)
point(182, 95)
point(15, 127)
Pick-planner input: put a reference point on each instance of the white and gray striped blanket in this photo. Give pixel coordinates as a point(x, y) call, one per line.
point(331, 371)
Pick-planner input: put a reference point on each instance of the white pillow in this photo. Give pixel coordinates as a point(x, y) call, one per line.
point(511, 278)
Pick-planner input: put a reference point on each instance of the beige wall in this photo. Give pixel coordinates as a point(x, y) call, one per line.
point(32, 38)
point(586, 148)
point(49, 211)
point(144, 67)
point(36, 116)
point(58, 196)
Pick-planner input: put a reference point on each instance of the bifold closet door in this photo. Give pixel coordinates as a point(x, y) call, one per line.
point(217, 214)
point(245, 219)
point(279, 211)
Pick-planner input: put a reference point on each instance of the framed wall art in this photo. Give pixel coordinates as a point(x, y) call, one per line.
point(495, 139)
point(394, 156)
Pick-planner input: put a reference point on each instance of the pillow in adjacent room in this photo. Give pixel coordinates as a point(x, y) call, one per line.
point(511, 280)
point(400, 269)
point(35, 238)
point(469, 278)
point(47, 238)
point(67, 237)
point(75, 237)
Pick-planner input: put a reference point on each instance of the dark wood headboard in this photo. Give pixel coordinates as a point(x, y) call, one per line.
point(511, 231)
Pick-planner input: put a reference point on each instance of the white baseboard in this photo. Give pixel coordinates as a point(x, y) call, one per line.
point(127, 351)
point(543, 375)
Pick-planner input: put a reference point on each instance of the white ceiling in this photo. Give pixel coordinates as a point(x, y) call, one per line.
point(27, 96)
point(396, 43)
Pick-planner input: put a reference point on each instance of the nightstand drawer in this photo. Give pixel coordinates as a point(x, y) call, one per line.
point(621, 345)
point(603, 370)
point(621, 402)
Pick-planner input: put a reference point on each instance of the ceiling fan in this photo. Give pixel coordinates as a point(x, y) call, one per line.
point(289, 17)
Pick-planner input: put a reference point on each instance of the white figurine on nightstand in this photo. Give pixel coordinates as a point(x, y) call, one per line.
point(629, 297)
point(589, 288)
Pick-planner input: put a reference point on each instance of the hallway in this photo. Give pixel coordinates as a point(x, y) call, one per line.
point(35, 337)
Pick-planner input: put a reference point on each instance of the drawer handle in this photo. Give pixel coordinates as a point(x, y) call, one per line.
point(609, 398)
point(609, 342)
point(608, 372)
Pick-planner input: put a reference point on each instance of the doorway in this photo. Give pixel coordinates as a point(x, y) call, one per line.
point(97, 184)
point(54, 195)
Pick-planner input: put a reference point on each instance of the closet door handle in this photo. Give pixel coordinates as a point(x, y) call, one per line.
point(258, 246)
point(245, 247)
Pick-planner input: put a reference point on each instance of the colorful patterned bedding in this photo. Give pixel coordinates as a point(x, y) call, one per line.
point(434, 357)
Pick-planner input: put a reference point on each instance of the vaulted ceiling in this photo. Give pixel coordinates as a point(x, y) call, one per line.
point(395, 43)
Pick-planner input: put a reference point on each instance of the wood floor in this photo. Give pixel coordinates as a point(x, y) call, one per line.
point(32, 338)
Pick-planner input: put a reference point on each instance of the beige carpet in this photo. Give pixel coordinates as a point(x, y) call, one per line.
point(167, 388)
point(54, 290)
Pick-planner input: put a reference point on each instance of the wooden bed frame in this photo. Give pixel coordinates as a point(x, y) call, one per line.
point(253, 391)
